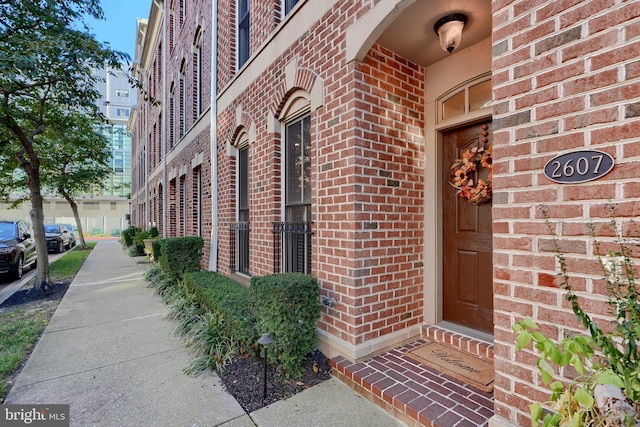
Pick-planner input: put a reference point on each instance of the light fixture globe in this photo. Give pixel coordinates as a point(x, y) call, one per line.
point(449, 30)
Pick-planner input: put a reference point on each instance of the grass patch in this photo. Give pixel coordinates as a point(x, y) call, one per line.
point(67, 266)
point(21, 328)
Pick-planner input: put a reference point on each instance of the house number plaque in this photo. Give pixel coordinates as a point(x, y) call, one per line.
point(578, 166)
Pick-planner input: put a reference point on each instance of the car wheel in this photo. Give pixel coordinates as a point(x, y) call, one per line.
point(17, 272)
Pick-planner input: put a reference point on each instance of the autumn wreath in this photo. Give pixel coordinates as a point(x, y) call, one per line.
point(468, 173)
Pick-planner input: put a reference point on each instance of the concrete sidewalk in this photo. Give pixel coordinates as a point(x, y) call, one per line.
point(108, 353)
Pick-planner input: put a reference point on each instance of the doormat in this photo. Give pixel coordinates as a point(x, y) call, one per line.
point(463, 366)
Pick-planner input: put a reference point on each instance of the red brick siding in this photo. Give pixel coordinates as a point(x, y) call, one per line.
point(367, 175)
point(569, 83)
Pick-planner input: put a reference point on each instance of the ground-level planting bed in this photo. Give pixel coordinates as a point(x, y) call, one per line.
point(243, 378)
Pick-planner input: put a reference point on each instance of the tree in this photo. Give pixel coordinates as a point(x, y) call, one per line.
point(46, 59)
point(78, 161)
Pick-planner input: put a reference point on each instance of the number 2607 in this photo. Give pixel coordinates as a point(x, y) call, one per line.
point(580, 166)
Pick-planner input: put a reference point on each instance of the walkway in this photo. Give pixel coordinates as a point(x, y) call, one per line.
point(108, 353)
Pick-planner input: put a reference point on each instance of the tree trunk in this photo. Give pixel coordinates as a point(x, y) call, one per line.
point(43, 279)
point(76, 215)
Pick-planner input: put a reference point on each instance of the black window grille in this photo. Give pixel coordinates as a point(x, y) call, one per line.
point(292, 247)
point(240, 247)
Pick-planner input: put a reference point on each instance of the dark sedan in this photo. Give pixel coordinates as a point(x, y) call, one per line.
point(17, 248)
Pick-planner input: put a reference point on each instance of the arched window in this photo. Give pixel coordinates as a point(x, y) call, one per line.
point(240, 228)
point(182, 122)
point(197, 74)
point(296, 228)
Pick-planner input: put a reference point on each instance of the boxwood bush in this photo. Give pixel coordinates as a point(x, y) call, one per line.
point(156, 249)
point(180, 255)
point(219, 294)
point(287, 306)
point(128, 235)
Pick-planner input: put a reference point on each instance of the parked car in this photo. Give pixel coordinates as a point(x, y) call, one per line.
point(72, 235)
point(17, 248)
point(57, 236)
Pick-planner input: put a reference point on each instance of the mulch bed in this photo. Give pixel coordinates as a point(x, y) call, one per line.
point(36, 295)
point(243, 378)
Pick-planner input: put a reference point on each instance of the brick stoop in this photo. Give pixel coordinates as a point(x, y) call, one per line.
point(414, 393)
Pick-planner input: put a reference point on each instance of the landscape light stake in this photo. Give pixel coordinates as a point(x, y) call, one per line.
point(265, 340)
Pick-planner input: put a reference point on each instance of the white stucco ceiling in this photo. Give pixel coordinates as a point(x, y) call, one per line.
point(411, 35)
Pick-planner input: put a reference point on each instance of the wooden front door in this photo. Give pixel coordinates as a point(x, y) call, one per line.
point(467, 249)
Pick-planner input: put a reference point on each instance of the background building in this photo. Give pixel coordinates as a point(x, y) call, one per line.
point(117, 99)
point(103, 210)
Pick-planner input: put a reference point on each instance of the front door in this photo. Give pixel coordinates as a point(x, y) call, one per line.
point(467, 250)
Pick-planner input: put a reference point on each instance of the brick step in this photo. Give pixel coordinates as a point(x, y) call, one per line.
point(414, 393)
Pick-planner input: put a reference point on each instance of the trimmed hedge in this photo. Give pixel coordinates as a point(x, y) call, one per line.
point(156, 249)
point(128, 235)
point(180, 255)
point(220, 294)
point(287, 306)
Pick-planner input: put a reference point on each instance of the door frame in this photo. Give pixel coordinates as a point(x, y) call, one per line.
point(439, 82)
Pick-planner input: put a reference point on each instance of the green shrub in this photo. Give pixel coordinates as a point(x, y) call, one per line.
point(138, 241)
point(128, 235)
point(287, 306)
point(211, 347)
point(229, 300)
point(153, 232)
point(162, 284)
point(156, 249)
point(179, 255)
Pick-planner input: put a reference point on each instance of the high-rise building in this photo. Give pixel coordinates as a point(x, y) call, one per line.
point(117, 99)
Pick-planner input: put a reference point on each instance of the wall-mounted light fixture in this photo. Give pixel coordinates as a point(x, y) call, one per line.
point(449, 30)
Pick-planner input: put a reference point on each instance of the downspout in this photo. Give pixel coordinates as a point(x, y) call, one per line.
point(163, 139)
point(213, 246)
point(146, 159)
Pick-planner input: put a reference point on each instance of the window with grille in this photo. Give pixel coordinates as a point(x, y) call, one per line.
point(240, 229)
point(295, 231)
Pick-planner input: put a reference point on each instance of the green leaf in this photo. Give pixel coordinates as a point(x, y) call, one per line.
point(609, 377)
point(577, 363)
point(557, 386)
point(545, 370)
point(576, 419)
point(536, 412)
point(524, 338)
point(528, 323)
point(584, 398)
point(539, 336)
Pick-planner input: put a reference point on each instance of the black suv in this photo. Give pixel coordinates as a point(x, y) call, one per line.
point(58, 237)
point(17, 248)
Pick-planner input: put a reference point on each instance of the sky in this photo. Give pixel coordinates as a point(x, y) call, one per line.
point(119, 26)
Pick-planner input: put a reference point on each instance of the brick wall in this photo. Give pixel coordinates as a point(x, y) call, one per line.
point(367, 173)
point(193, 143)
point(565, 76)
